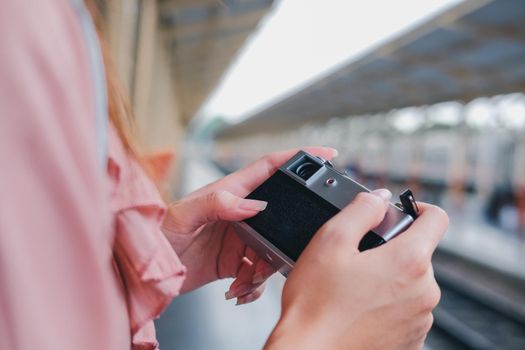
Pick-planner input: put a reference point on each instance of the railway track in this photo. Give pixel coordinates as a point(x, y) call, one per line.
point(479, 309)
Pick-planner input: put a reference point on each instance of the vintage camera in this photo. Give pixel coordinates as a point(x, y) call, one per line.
point(302, 195)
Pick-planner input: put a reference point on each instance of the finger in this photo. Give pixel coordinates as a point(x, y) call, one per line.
point(243, 281)
point(240, 290)
point(248, 298)
point(248, 178)
point(250, 275)
point(348, 227)
point(246, 271)
point(189, 214)
point(422, 237)
point(420, 330)
point(263, 271)
point(422, 292)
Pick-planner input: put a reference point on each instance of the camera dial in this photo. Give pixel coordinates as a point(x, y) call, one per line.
point(327, 162)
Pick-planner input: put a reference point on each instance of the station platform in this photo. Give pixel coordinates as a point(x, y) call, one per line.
point(486, 245)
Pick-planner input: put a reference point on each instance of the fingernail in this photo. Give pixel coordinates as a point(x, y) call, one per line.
point(229, 295)
point(252, 204)
point(244, 300)
point(262, 276)
point(259, 277)
point(336, 152)
point(382, 193)
point(247, 261)
point(238, 291)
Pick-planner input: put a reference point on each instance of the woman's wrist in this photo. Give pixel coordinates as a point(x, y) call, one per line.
point(294, 331)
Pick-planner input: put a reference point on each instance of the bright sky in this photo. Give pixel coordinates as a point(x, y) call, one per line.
point(303, 39)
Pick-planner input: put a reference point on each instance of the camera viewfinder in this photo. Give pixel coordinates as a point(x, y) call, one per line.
point(305, 167)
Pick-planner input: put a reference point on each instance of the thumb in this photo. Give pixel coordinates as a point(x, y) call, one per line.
point(187, 215)
point(365, 212)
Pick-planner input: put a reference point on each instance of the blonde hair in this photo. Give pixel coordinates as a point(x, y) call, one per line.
point(119, 107)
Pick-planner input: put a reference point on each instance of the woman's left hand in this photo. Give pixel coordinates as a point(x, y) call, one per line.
point(198, 227)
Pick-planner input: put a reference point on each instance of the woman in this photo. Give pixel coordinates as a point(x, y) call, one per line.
point(87, 259)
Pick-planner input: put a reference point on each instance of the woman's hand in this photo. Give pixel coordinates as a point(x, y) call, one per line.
point(339, 298)
point(198, 227)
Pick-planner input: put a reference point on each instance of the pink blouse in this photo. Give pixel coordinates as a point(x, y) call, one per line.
point(83, 264)
point(150, 270)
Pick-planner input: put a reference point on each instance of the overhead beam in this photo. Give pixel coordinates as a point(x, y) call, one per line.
point(222, 23)
point(170, 6)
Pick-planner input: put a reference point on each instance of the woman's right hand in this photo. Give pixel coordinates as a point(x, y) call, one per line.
point(339, 298)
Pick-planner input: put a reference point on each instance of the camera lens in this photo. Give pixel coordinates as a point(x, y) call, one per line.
point(306, 170)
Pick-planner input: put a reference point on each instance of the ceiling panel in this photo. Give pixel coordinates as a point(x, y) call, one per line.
point(204, 36)
point(476, 48)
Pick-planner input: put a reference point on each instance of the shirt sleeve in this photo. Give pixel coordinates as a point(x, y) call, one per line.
point(150, 270)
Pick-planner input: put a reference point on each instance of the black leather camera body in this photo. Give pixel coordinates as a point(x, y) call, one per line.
point(302, 195)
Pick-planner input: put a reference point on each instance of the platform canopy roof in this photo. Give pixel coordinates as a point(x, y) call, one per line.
point(204, 37)
point(474, 49)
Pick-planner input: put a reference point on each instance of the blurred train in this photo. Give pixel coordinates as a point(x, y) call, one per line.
point(469, 158)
